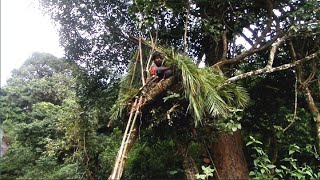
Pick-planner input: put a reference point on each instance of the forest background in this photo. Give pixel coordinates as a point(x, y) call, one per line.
point(256, 115)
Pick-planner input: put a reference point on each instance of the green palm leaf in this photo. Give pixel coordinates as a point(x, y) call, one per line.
point(203, 88)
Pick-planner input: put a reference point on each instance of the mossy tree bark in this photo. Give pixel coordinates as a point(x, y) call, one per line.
point(228, 157)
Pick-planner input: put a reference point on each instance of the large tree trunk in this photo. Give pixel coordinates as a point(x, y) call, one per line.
point(189, 165)
point(227, 151)
point(228, 157)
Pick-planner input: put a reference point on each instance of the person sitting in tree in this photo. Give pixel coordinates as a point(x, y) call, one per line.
point(158, 68)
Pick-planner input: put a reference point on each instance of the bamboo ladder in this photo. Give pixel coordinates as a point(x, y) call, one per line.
point(119, 163)
point(134, 112)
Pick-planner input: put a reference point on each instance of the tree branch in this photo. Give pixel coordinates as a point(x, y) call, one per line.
point(273, 50)
point(255, 48)
point(270, 70)
point(157, 90)
point(225, 45)
point(247, 53)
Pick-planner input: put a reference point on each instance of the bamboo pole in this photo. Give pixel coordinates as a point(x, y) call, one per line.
point(119, 164)
point(135, 109)
point(124, 139)
point(134, 69)
point(129, 134)
point(141, 62)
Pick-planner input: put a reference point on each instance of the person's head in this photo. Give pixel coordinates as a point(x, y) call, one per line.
point(157, 58)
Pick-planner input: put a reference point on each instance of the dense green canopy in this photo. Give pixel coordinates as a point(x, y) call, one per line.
point(56, 112)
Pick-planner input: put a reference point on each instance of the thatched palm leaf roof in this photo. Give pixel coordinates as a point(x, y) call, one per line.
point(203, 88)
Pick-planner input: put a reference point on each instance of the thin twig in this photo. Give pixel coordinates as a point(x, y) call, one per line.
point(171, 110)
point(248, 40)
point(185, 45)
point(214, 167)
point(295, 103)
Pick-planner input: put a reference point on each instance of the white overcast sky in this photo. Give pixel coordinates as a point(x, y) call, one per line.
point(24, 30)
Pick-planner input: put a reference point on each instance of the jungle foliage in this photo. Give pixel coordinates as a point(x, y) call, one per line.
point(259, 85)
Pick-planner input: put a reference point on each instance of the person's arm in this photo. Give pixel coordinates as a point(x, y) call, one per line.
point(160, 70)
